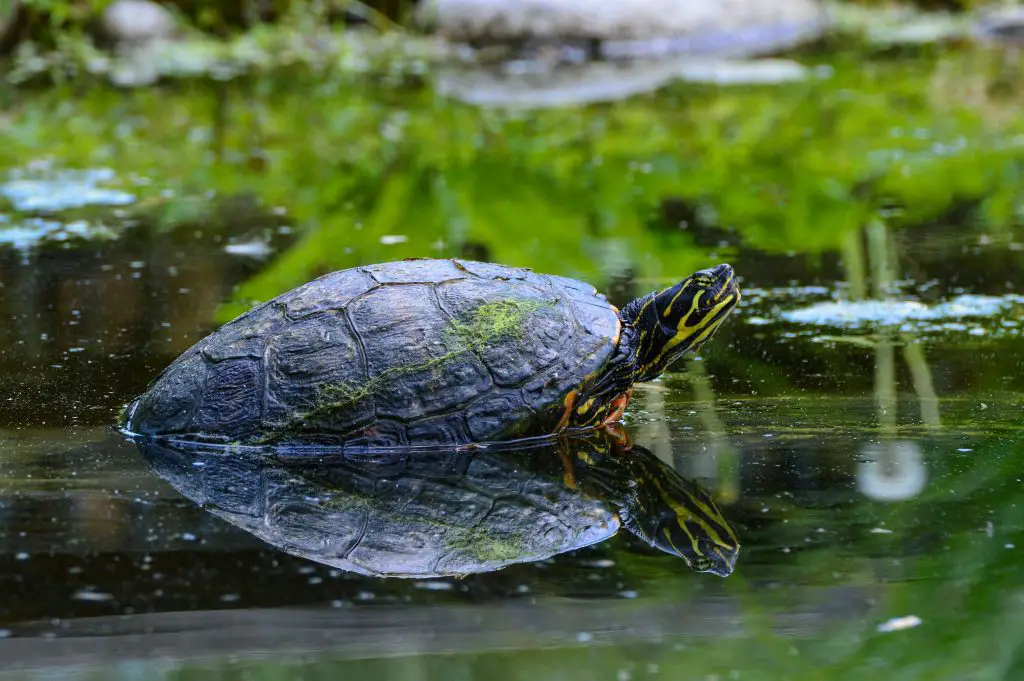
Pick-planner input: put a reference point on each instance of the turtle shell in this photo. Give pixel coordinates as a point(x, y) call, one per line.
point(438, 512)
point(409, 352)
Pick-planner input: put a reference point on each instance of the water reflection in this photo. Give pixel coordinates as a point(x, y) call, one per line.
point(443, 512)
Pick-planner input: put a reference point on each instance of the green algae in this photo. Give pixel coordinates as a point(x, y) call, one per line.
point(502, 319)
point(490, 546)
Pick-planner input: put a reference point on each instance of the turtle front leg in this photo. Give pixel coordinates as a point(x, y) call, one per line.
point(617, 408)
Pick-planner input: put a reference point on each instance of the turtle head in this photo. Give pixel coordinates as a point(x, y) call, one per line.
point(657, 330)
point(677, 321)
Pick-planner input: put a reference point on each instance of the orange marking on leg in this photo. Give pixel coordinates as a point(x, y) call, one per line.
point(618, 407)
point(568, 470)
point(570, 402)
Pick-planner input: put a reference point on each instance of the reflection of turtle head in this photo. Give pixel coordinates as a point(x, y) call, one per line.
point(705, 547)
point(677, 516)
point(660, 506)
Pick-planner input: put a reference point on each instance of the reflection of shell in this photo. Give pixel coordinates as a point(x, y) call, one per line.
point(891, 471)
point(640, 26)
point(424, 515)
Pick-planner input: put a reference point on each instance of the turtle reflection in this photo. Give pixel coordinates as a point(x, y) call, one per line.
point(441, 512)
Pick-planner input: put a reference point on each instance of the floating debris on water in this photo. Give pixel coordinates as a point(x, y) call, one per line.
point(31, 232)
point(62, 189)
point(962, 314)
point(92, 596)
point(598, 563)
point(249, 249)
point(892, 312)
point(434, 586)
point(899, 624)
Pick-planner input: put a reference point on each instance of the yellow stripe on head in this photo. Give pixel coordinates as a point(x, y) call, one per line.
point(665, 325)
point(691, 338)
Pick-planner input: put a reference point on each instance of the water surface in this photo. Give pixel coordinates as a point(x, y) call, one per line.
point(857, 419)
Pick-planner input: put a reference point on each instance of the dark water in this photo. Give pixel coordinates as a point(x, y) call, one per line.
point(868, 455)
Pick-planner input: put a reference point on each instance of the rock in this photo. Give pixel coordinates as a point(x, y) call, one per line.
point(137, 22)
point(633, 27)
point(535, 85)
point(558, 85)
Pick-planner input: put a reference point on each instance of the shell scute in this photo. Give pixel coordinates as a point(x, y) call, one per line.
point(516, 330)
point(497, 415)
point(417, 366)
point(486, 270)
point(168, 405)
point(330, 292)
point(245, 337)
point(232, 399)
point(313, 353)
point(439, 430)
point(415, 272)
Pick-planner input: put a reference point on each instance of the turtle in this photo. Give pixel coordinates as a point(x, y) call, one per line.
point(450, 511)
point(428, 352)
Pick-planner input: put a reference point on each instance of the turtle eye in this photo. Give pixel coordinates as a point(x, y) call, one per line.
point(701, 563)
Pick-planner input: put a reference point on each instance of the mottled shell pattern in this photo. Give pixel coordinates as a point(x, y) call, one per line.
point(417, 351)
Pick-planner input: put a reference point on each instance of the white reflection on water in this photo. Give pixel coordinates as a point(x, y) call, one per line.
point(63, 189)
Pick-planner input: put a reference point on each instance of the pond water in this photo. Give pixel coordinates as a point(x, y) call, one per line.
point(857, 420)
